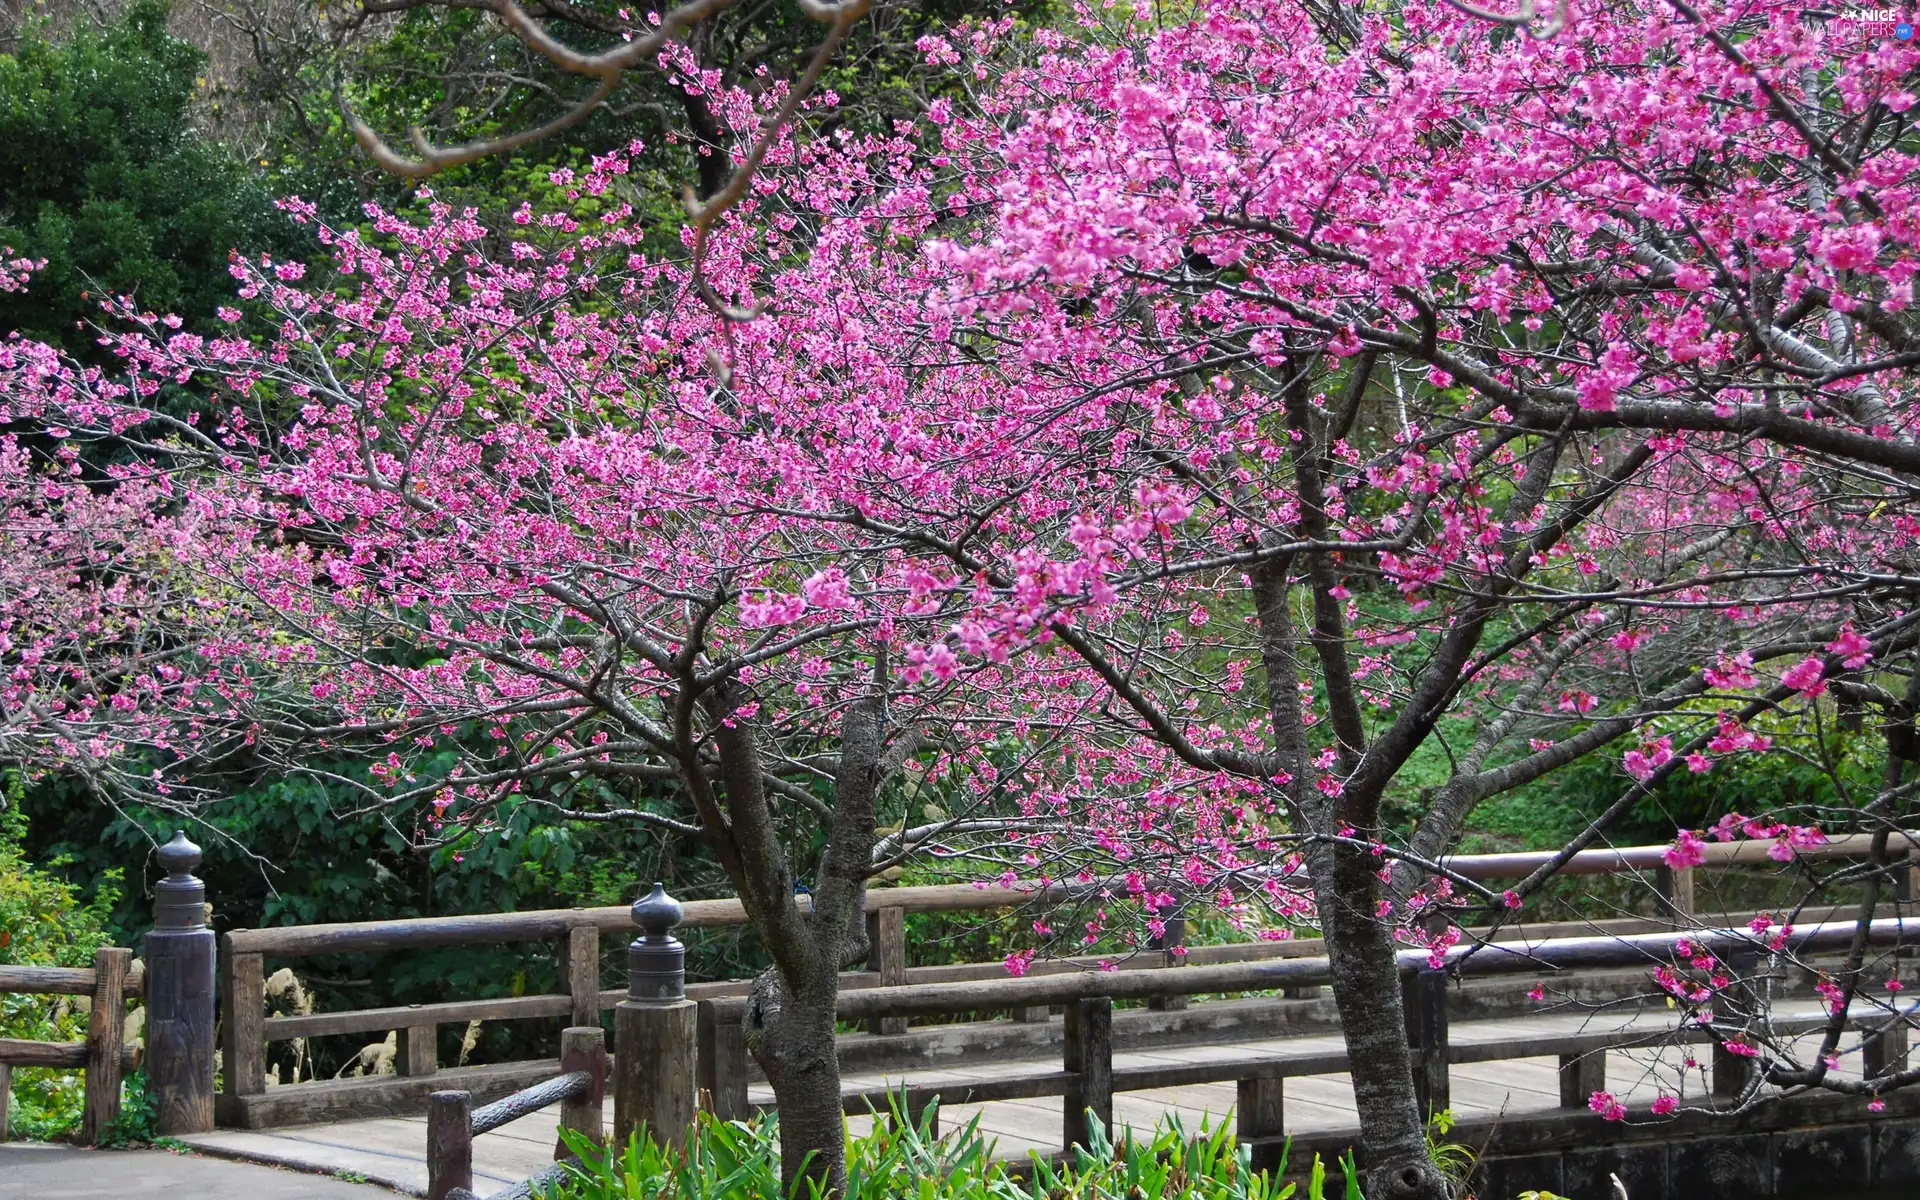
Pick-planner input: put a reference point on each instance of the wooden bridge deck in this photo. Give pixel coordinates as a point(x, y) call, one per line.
point(391, 1151)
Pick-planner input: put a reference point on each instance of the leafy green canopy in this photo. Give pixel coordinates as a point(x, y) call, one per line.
point(103, 176)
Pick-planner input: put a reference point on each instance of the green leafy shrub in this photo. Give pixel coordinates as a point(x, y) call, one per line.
point(904, 1160)
point(44, 921)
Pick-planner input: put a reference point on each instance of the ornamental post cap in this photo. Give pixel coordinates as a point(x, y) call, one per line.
point(656, 912)
point(179, 856)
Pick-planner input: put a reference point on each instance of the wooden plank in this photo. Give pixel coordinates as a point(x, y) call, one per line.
point(106, 1039)
point(372, 1020)
point(1022, 1085)
point(6, 1099)
point(243, 1013)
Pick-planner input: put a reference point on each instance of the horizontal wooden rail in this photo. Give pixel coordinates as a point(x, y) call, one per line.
point(531, 1100)
point(63, 981)
point(413, 1016)
point(362, 936)
point(59, 1055)
point(1627, 950)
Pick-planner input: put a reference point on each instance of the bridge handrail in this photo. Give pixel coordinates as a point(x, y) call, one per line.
point(1493, 958)
point(288, 941)
point(453, 1122)
point(581, 1000)
point(111, 981)
point(1088, 1080)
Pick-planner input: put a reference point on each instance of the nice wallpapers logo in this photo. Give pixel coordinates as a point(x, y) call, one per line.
point(1877, 22)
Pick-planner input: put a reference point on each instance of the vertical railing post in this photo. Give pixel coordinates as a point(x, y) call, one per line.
point(1733, 1072)
point(1675, 886)
point(416, 1051)
point(1088, 1056)
point(655, 1030)
point(580, 974)
point(722, 1067)
point(6, 1098)
point(180, 995)
point(583, 1048)
point(449, 1143)
point(887, 955)
point(1581, 1075)
point(1423, 995)
point(1259, 1114)
point(106, 1036)
point(1172, 943)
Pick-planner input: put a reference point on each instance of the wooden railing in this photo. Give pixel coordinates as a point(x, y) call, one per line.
point(1087, 1078)
point(453, 1122)
point(105, 1057)
point(576, 934)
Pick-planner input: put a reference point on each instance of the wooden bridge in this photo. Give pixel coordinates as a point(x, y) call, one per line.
point(1234, 1032)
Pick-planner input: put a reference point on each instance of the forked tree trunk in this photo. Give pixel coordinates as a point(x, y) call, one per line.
point(1366, 990)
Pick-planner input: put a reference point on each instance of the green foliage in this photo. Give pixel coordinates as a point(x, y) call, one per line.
point(102, 175)
point(134, 1125)
point(45, 921)
point(905, 1160)
point(1452, 1159)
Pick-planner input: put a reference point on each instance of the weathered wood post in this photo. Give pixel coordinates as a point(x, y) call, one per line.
point(722, 1060)
point(583, 1048)
point(1423, 994)
point(1089, 1057)
point(1172, 943)
point(106, 1031)
point(655, 1029)
point(1259, 1118)
point(1733, 1072)
point(180, 991)
point(580, 974)
point(1675, 886)
point(449, 1143)
point(887, 955)
point(1581, 1075)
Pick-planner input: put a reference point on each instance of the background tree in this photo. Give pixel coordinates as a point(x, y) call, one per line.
point(103, 176)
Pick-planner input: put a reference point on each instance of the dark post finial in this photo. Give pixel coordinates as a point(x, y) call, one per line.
point(656, 961)
point(180, 899)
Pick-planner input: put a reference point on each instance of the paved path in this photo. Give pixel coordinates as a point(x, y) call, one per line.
point(40, 1172)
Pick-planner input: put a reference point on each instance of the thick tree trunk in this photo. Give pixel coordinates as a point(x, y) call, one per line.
point(1366, 990)
point(791, 1037)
